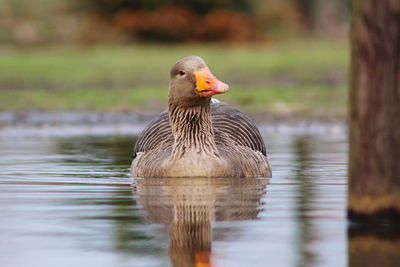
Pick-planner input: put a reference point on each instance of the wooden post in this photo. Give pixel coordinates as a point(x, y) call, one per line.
point(374, 160)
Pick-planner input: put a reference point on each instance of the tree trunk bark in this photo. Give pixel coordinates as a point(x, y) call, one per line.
point(374, 158)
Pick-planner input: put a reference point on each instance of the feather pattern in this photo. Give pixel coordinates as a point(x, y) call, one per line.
point(231, 132)
point(225, 118)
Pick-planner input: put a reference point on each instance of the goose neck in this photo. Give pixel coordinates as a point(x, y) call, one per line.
point(192, 129)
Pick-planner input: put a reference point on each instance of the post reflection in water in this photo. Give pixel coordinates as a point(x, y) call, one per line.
point(189, 205)
point(373, 245)
point(302, 146)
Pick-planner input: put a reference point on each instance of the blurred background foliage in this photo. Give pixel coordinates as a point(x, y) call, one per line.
point(28, 22)
point(278, 56)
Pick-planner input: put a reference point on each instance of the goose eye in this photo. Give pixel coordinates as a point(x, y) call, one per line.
point(182, 72)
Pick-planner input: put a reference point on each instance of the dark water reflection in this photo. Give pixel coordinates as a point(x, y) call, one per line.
point(374, 245)
point(302, 150)
point(71, 202)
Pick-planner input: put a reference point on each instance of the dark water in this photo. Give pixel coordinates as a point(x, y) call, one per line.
point(71, 202)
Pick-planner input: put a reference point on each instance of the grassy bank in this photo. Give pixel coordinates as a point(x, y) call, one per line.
point(306, 77)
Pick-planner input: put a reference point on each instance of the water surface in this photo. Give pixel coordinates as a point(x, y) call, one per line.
point(69, 201)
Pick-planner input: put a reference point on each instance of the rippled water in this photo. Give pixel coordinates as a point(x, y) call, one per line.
point(71, 202)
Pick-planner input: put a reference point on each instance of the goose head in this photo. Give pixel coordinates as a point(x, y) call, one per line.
point(192, 83)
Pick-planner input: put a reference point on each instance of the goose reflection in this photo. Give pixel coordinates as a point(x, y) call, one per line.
point(189, 205)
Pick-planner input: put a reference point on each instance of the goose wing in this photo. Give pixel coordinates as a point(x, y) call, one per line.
point(158, 129)
point(237, 125)
point(225, 118)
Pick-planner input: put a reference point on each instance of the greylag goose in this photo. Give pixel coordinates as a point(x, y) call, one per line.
point(197, 137)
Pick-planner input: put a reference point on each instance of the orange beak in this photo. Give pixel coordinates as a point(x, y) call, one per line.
point(208, 84)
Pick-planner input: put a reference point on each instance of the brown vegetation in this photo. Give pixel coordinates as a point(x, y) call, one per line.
point(171, 23)
point(62, 21)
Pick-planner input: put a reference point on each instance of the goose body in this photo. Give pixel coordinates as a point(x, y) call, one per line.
point(196, 137)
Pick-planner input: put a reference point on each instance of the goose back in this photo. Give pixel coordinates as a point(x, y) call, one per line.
point(226, 120)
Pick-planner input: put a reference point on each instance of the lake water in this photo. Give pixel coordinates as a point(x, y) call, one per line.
point(70, 201)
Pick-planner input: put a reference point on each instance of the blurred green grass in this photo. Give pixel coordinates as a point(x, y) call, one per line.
point(306, 77)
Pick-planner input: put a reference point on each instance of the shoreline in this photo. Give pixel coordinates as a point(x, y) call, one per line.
point(91, 123)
